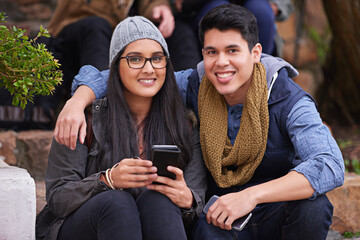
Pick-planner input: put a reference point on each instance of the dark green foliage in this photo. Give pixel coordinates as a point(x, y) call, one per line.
point(26, 68)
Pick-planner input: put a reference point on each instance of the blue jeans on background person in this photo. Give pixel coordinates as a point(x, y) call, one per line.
point(302, 219)
point(265, 21)
point(115, 214)
point(262, 11)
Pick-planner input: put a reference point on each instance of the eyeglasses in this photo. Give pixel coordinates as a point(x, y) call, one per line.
point(138, 62)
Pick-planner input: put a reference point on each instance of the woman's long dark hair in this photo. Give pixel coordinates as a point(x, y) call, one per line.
point(166, 123)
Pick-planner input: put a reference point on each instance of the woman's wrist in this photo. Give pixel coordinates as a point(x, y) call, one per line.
point(190, 200)
point(103, 179)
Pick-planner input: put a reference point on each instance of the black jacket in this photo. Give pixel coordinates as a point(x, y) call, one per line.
point(72, 178)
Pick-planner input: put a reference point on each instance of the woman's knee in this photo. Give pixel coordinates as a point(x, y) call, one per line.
point(160, 217)
point(155, 201)
point(116, 203)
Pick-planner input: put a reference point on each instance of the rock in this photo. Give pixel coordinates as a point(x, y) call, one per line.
point(306, 80)
point(310, 79)
point(8, 147)
point(333, 235)
point(37, 11)
point(315, 15)
point(17, 204)
point(33, 147)
point(346, 201)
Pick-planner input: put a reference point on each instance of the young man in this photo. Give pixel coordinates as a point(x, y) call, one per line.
point(278, 163)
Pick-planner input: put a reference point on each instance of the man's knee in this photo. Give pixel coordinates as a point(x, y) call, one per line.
point(204, 231)
point(313, 213)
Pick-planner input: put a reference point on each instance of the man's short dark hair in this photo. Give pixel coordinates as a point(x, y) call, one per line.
point(231, 16)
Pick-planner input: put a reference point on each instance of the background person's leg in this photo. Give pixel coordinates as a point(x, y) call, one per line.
point(85, 42)
point(160, 218)
point(266, 23)
point(108, 215)
point(183, 47)
point(204, 10)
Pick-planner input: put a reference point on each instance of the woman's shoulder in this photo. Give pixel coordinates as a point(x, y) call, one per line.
point(99, 104)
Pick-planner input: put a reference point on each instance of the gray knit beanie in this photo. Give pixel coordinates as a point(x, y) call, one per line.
point(132, 29)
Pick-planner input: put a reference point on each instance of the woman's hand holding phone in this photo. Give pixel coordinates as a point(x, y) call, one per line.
point(176, 190)
point(132, 172)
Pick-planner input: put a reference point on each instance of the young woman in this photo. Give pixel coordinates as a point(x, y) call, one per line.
point(105, 189)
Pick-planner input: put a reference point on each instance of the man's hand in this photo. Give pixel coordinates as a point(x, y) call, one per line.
point(71, 119)
point(230, 207)
point(292, 186)
point(178, 5)
point(162, 14)
point(176, 190)
point(275, 8)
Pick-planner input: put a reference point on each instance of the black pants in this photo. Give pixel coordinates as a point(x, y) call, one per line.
point(116, 215)
point(184, 48)
point(85, 42)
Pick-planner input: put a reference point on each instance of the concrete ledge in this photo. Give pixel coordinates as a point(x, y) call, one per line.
point(17, 203)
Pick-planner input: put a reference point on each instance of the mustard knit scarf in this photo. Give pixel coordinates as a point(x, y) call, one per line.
point(250, 144)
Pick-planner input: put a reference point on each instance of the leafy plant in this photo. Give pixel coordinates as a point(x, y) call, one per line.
point(352, 166)
point(344, 143)
point(351, 235)
point(322, 42)
point(26, 68)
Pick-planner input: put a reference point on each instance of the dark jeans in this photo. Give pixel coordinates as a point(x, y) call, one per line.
point(262, 11)
point(85, 42)
point(266, 23)
point(303, 219)
point(184, 49)
point(116, 215)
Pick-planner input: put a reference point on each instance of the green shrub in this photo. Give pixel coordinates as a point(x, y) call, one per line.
point(26, 68)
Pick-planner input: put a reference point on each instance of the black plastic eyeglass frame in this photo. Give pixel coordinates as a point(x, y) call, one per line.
point(146, 59)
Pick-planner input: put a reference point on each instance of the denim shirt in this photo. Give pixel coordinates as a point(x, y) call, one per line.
point(320, 159)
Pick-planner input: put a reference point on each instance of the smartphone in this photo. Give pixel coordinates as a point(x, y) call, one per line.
point(164, 155)
point(238, 224)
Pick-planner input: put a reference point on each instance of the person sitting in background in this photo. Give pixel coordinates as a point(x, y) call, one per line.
point(265, 11)
point(102, 190)
point(81, 31)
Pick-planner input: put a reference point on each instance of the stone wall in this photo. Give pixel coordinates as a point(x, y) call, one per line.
point(28, 14)
point(27, 149)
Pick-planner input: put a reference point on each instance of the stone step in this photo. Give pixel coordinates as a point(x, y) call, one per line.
point(17, 203)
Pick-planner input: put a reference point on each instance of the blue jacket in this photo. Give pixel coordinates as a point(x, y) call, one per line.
point(279, 150)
